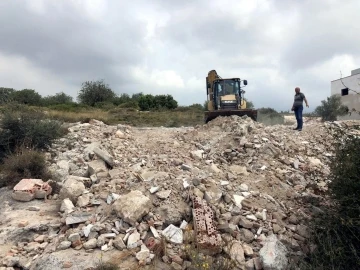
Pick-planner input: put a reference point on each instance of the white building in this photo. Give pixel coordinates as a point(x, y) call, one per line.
point(349, 98)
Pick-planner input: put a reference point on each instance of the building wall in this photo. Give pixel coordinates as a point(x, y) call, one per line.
point(352, 100)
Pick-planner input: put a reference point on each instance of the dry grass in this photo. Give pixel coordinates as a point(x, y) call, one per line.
point(131, 117)
point(82, 116)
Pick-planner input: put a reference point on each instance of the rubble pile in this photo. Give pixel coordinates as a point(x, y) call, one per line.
point(238, 185)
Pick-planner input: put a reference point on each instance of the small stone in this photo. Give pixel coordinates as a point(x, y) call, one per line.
point(251, 217)
point(237, 252)
point(154, 189)
point(185, 167)
point(276, 228)
point(303, 231)
point(10, 261)
point(248, 250)
point(119, 243)
point(249, 265)
point(67, 264)
point(293, 219)
point(64, 245)
point(244, 188)
point(74, 237)
point(196, 182)
point(33, 208)
point(245, 223)
point(164, 194)
point(23, 223)
point(143, 254)
point(90, 244)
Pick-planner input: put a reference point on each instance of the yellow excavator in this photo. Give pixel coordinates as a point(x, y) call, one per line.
point(225, 97)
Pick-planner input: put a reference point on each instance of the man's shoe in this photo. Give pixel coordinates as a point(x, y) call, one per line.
point(295, 128)
point(299, 129)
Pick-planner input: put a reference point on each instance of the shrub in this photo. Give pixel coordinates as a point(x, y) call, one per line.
point(330, 109)
point(24, 163)
point(27, 96)
point(336, 232)
point(269, 116)
point(70, 107)
point(26, 127)
point(59, 98)
point(132, 104)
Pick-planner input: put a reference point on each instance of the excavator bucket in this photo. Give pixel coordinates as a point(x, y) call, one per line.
point(210, 115)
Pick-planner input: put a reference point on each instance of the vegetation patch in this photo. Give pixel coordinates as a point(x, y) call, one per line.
point(269, 116)
point(336, 232)
point(24, 163)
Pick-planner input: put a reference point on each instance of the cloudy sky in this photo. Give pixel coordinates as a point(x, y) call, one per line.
point(168, 47)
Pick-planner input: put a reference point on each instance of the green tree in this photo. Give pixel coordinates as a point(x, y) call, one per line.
point(95, 92)
point(5, 94)
point(59, 98)
point(146, 102)
point(331, 108)
point(27, 96)
point(123, 98)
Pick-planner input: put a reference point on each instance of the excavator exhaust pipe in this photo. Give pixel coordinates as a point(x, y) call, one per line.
point(210, 115)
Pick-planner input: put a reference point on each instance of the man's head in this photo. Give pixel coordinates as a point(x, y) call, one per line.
point(297, 90)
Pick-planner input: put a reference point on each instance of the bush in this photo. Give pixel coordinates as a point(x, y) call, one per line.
point(336, 232)
point(26, 127)
point(70, 107)
point(95, 92)
point(330, 109)
point(27, 96)
point(59, 98)
point(269, 116)
point(23, 163)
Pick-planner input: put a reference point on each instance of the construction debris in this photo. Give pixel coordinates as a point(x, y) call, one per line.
point(242, 189)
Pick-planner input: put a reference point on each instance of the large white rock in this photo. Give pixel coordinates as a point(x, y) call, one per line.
point(72, 189)
point(132, 206)
point(273, 254)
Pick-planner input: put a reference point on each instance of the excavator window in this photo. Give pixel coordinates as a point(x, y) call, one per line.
point(228, 87)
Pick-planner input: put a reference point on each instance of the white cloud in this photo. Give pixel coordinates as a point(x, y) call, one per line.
point(159, 78)
point(18, 73)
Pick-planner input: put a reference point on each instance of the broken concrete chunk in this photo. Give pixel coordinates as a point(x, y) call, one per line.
point(72, 189)
point(164, 194)
point(237, 200)
point(105, 156)
point(143, 254)
point(273, 254)
point(173, 234)
point(90, 244)
point(119, 243)
point(154, 189)
point(112, 197)
point(132, 241)
point(132, 206)
point(29, 189)
point(239, 170)
point(213, 194)
point(84, 200)
point(97, 166)
point(198, 154)
point(67, 206)
point(78, 218)
point(237, 253)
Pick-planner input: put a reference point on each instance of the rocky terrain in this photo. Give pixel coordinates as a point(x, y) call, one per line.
point(141, 197)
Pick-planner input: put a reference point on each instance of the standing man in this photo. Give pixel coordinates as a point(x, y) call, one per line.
point(298, 107)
